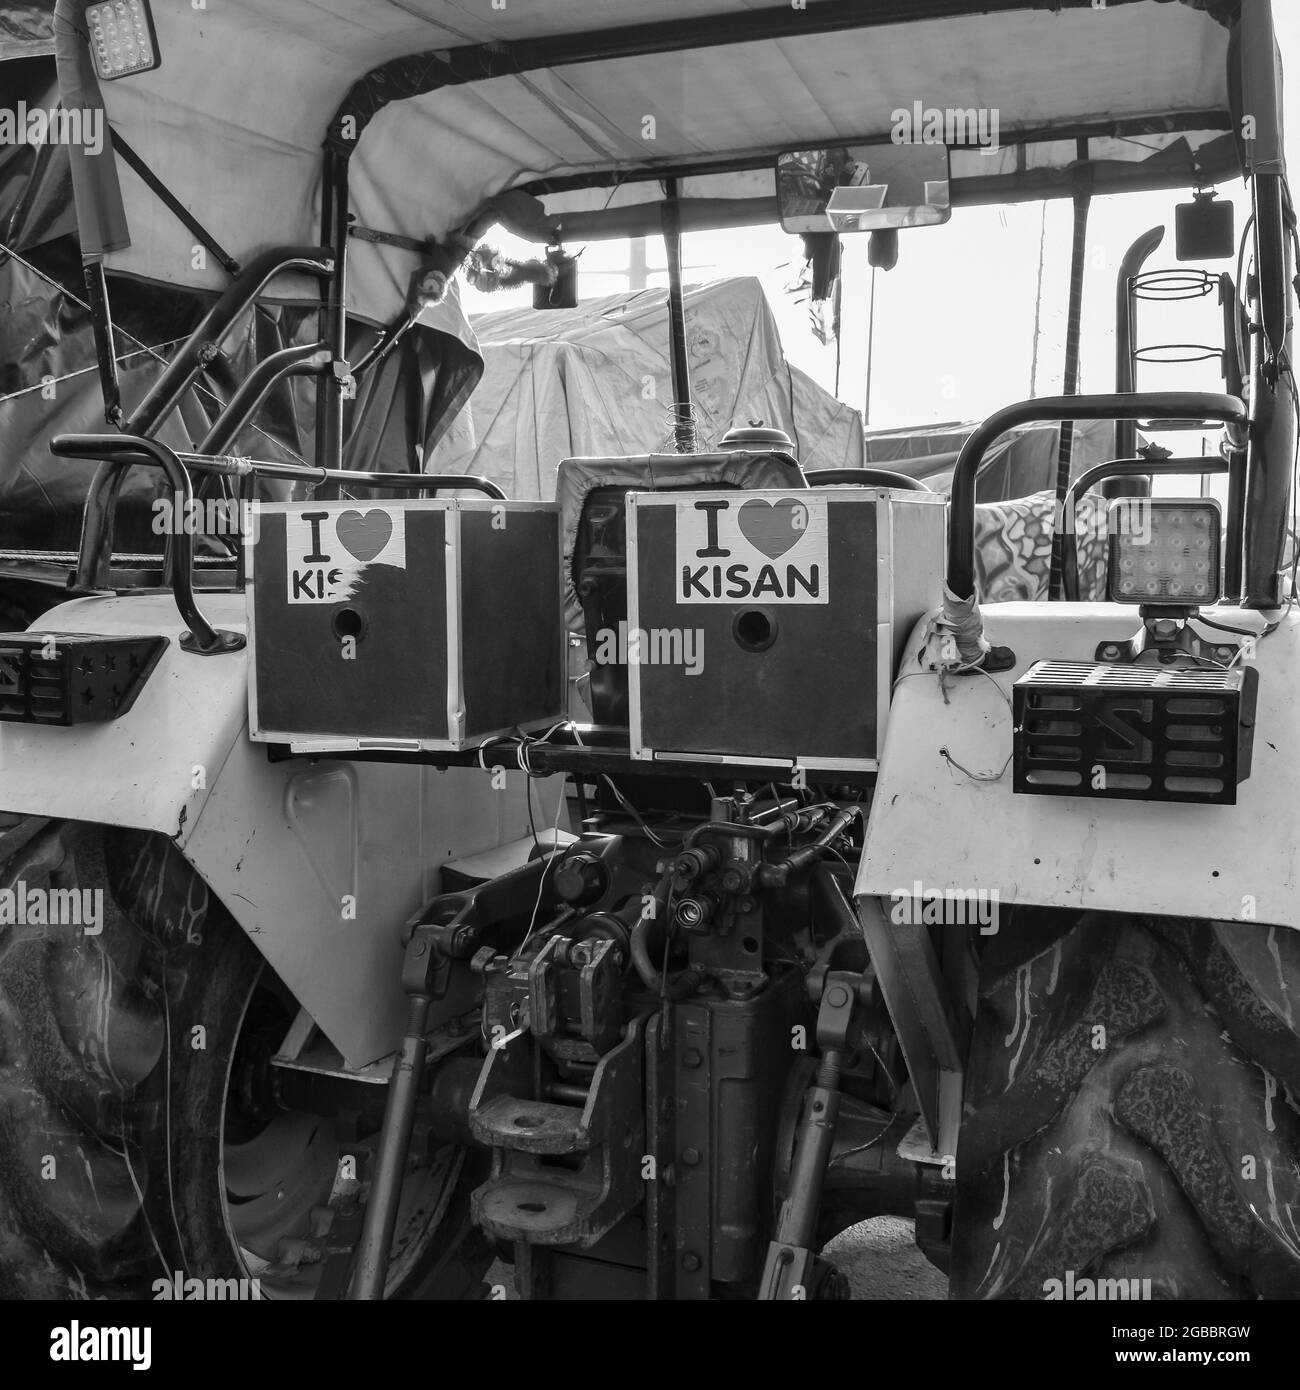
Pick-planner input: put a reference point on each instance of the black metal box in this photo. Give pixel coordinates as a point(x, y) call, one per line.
point(1133, 732)
point(765, 626)
point(403, 625)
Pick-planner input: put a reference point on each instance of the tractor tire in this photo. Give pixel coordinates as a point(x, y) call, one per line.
point(1131, 1113)
point(142, 1141)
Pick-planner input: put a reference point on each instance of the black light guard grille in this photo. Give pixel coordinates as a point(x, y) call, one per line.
point(65, 678)
point(1135, 733)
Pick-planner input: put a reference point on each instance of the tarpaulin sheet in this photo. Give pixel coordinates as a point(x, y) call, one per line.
point(595, 382)
point(51, 385)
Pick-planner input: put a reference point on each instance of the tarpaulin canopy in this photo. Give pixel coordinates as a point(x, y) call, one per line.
point(234, 118)
point(49, 382)
point(594, 381)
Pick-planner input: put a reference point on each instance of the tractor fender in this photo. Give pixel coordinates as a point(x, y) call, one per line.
point(933, 823)
point(320, 862)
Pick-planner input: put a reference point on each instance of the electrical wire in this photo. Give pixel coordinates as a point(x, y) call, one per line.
point(941, 673)
point(1238, 631)
point(47, 382)
point(541, 882)
point(977, 776)
point(635, 814)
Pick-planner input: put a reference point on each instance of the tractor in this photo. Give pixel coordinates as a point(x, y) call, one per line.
point(634, 890)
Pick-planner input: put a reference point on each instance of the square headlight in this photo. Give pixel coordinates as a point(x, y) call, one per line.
point(1164, 551)
point(122, 38)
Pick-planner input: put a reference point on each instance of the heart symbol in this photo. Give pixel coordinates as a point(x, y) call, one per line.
point(772, 527)
point(364, 534)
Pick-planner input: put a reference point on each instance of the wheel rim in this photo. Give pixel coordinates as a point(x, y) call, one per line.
point(280, 1169)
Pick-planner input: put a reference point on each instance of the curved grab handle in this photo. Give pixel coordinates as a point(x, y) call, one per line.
point(125, 449)
point(1175, 405)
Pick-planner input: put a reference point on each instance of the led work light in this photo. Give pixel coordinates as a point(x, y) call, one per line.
point(1164, 551)
point(122, 38)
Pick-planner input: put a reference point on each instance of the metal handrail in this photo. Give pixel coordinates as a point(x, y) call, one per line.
point(191, 358)
point(202, 637)
point(119, 452)
point(1182, 405)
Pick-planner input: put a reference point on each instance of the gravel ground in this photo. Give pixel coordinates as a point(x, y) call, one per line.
point(882, 1261)
point(880, 1258)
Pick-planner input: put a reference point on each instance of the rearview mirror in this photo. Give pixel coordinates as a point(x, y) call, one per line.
point(863, 188)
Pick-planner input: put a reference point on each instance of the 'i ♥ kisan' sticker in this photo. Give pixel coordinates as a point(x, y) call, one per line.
point(766, 549)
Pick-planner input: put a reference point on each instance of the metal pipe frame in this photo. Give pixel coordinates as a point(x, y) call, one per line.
point(203, 344)
point(683, 416)
point(1125, 309)
point(1074, 324)
point(1179, 405)
point(308, 473)
point(174, 205)
point(961, 191)
point(334, 322)
point(1266, 500)
point(123, 452)
point(101, 321)
point(179, 374)
point(1118, 468)
point(309, 359)
point(427, 72)
point(202, 638)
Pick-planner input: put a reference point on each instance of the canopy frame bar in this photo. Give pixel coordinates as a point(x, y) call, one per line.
point(422, 73)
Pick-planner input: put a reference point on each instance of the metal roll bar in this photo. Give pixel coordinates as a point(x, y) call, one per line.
point(201, 351)
point(118, 452)
point(311, 359)
point(177, 377)
point(202, 638)
point(1180, 405)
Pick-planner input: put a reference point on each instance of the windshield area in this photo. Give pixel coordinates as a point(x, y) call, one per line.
point(972, 317)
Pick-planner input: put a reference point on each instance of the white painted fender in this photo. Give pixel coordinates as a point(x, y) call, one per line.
point(321, 863)
point(932, 824)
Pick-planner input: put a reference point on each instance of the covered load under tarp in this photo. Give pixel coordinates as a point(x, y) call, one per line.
point(594, 382)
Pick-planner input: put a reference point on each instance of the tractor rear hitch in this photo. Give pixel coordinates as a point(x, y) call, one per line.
point(460, 925)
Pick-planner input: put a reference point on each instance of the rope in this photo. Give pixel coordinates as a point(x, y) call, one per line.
point(48, 381)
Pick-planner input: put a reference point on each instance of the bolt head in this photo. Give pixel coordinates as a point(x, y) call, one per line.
point(692, 1057)
point(691, 1157)
point(690, 1261)
point(837, 996)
